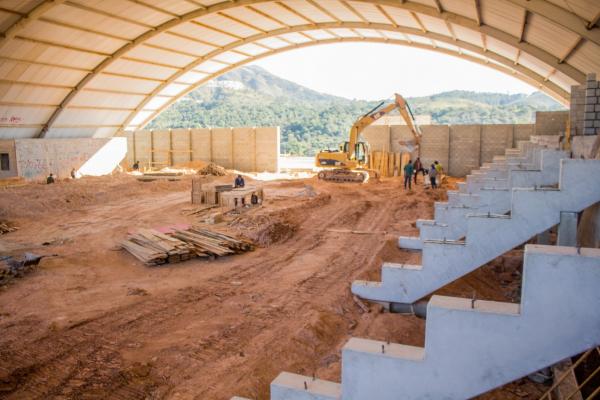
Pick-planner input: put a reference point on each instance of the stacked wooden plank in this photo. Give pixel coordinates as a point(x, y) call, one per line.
point(153, 247)
point(211, 192)
point(6, 228)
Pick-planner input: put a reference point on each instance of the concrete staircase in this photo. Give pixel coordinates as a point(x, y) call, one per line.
point(488, 190)
point(474, 346)
point(488, 236)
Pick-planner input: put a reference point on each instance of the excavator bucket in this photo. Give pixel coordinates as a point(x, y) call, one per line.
point(408, 146)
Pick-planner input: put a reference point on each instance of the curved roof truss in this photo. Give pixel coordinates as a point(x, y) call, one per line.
point(75, 68)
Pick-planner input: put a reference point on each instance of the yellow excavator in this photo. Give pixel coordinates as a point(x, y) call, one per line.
point(351, 162)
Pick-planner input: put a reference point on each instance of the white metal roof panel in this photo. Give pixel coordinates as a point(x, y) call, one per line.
point(15, 116)
point(401, 17)
point(176, 42)
point(586, 58)
point(369, 33)
point(80, 132)
point(501, 48)
point(210, 66)
point(159, 56)
point(434, 25)
point(344, 32)
point(273, 43)
point(283, 14)
point(370, 12)
point(548, 35)
point(157, 102)
point(308, 10)
point(71, 116)
point(503, 15)
point(131, 9)
point(71, 38)
point(122, 84)
point(29, 94)
point(141, 69)
point(227, 25)
point(339, 11)
point(461, 7)
point(92, 99)
point(467, 35)
point(230, 57)
point(140, 117)
point(26, 72)
point(254, 18)
point(173, 89)
point(26, 50)
point(85, 18)
point(178, 7)
point(564, 81)
point(295, 37)
point(534, 64)
point(203, 33)
point(21, 6)
point(319, 34)
point(394, 35)
point(252, 49)
point(18, 133)
point(191, 77)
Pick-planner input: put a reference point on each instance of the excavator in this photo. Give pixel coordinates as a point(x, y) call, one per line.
point(351, 162)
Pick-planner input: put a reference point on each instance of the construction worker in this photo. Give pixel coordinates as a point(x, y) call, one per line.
point(418, 167)
point(408, 171)
point(239, 182)
point(49, 179)
point(136, 166)
point(438, 167)
point(433, 173)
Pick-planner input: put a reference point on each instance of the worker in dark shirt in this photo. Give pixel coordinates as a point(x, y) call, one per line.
point(239, 182)
point(49, 179)
point(136, 166)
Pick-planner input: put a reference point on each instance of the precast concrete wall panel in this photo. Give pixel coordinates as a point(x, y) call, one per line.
point(244, 149)
point(180, 144)
point(222, 147)
point(378, 137)
point(267, 149)
point(435, 144)
point(201, 144)
point(161, 144)
point(495, 139)
point(143, 146)
point(131, 150)
point(465, 148)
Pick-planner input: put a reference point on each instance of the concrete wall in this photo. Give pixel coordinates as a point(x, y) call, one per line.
point(36, 158)
point(8, 147)
point(245, 148)
point(459, 148)
point(551, 122)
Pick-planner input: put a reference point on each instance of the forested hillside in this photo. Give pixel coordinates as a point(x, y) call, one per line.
point(310, 121)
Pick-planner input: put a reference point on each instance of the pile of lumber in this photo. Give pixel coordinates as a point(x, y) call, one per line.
point(6, 228)
point(212, 169)
point(155, 248)
point(212, 244)
point(388, 164)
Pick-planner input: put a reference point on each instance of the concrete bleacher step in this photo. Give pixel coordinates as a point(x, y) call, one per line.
point(488, 236)
point(288, 386)
point(473, 346)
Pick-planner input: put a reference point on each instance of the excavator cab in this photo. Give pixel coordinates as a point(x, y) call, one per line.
point(360, 151)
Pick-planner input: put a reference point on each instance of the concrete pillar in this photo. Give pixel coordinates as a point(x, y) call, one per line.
point(567, 229)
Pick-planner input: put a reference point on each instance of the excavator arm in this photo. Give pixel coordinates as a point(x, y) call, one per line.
point(376, 113)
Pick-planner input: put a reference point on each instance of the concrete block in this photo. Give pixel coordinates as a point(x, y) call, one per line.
point(495, 139)
point(244, 151)
point(465, 142)
point(435, 144)
point(161, 141)
point(222, 147)
point(181, 146)
point(590, 107)
point(378, 137)
point(590, 76)
point(267, 149)
point(522, 132)
point(590, 115)
point(201, 144)
point(401, 133)
point(551, 122)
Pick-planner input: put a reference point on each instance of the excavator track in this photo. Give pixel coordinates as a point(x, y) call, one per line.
point(344, 175)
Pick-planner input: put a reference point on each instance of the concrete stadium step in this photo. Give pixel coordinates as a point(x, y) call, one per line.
point(450, 218)
point(488, 236)
point(473, 346)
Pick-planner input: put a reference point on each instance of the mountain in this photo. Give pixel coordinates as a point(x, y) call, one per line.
point(311, 121)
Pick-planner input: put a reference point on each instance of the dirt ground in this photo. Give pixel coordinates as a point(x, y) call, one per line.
point(91, 322)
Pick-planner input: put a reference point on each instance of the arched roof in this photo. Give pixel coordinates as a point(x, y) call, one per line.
point(72, 68)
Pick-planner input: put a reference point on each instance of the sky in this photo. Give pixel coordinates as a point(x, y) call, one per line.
point(373, 71)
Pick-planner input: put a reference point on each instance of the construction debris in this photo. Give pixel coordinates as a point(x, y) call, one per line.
point(15, 267)
point(154, 248)
point(213, 169)
point(5, 227)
